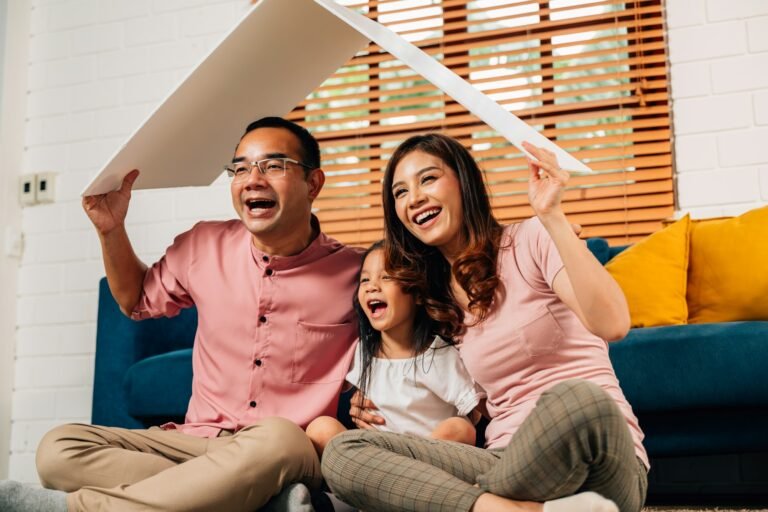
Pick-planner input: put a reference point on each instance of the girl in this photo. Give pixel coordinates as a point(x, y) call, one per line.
point(417, 379)
point(534, 309)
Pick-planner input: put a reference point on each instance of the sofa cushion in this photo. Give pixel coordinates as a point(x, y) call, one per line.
point(727, 280)
point(600, 249)
point(705, 431)
point(700, 366)
point(160, 386)
point(653, 274)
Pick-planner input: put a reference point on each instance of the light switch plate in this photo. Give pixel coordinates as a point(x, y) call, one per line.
point(27, 189)
point(46, 187)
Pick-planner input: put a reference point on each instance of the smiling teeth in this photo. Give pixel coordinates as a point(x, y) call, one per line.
point(424, 215)
point(259, 203)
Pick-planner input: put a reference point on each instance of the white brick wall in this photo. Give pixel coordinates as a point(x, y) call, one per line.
point(718, 51)
point(97, 67)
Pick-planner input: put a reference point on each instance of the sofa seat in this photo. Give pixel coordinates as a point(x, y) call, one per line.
point(718, 431)
point(160, 386)
point(711, 376)
point(697, 366)
point(158, 389)
point(671, 375)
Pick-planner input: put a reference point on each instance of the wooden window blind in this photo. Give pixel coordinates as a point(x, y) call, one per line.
point(589, 74)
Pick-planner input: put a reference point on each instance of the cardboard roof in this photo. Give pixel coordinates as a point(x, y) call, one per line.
point(270, 62)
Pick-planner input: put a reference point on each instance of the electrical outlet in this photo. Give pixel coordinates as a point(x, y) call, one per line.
point(27, 189)
point(46, 190)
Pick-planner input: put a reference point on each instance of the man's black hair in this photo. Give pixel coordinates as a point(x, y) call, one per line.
point(309, 147)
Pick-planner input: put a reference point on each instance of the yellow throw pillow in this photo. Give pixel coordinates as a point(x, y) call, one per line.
point(653, 275)
point(728, 274)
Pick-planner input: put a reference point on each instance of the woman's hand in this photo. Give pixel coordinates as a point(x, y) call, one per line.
point(546, 182)
point(360, 412)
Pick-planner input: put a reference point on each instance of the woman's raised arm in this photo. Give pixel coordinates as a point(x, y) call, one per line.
point(585, 286)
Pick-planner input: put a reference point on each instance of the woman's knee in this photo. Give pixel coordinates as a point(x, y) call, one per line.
point(339, 447)
point(55, 460)
point(584, 399)
point(338, 460)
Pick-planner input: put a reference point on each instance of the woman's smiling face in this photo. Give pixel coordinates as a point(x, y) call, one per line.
point(427, 196)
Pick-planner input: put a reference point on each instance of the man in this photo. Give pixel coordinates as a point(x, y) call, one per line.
point(273, 344)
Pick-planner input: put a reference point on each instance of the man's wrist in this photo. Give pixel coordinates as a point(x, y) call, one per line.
point(116, 232)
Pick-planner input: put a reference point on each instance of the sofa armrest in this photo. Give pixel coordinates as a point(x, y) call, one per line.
point(120, 343)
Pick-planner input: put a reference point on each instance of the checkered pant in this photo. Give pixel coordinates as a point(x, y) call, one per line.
point(576, 439)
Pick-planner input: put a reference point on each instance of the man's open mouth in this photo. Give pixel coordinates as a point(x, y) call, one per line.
point(259, 204)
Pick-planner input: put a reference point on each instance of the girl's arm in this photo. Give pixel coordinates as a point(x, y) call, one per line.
point(584, 285)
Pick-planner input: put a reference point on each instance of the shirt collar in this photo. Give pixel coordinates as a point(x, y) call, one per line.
point(320, 246)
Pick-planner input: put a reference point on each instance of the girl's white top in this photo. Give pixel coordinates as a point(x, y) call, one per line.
point(414, 395)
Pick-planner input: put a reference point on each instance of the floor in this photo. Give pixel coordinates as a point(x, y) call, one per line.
point(703, 509)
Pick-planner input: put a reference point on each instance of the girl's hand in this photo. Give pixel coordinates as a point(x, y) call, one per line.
point(360, 412)
point(546, 182)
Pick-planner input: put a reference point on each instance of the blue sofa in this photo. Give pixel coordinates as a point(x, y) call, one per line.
point(700, 393)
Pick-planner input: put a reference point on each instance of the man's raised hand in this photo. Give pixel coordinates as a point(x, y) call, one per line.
point(108, 211)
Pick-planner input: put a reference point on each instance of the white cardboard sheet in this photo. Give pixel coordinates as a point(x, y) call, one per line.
point(277, 55)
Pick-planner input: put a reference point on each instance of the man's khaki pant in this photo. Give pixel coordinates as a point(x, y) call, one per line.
point(115, 469)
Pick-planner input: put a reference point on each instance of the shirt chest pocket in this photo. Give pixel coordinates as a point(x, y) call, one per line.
point(319, 352)
point(542, 335)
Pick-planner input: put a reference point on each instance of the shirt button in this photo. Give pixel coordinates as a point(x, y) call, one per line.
point(257, 362)
point(252, 404)
point(263, 319)
point(265, 258)
point(269, 272)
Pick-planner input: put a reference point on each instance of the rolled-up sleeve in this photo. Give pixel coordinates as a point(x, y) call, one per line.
point(452, 383)
point(165, 290)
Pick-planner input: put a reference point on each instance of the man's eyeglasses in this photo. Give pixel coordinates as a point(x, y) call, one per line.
point(269, 168)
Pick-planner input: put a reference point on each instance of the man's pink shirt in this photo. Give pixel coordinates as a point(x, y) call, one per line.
point(533, 340)
point(275, 335)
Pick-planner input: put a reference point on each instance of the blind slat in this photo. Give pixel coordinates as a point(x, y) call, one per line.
point(365, 109)
point(461, 52)
point(545, 71)
point(586, 220)
point(590, 75)
point(468, 61)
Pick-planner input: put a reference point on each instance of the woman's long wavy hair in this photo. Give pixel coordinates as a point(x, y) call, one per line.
point(422, 267)
point(424, 327)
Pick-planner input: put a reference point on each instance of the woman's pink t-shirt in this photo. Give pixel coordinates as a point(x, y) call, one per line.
point(532, 340)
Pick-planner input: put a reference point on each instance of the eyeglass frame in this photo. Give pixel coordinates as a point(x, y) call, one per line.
point(286, 160)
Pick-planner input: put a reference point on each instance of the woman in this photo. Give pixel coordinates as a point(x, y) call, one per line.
point(533, 309)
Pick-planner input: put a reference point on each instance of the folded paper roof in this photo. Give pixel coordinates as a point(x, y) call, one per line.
point(275, 57)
